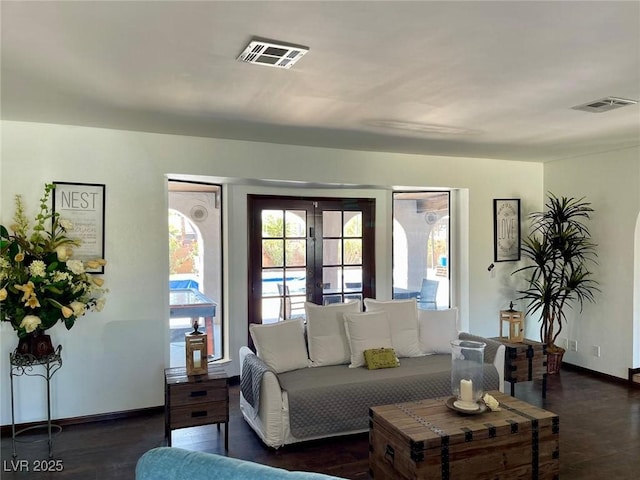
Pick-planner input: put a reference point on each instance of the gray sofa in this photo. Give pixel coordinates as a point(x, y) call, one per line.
point(318, 402)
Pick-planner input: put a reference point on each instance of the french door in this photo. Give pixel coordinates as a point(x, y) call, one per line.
point(319, 250)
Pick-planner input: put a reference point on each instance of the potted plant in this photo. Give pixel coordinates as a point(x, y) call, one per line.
point(560, 252)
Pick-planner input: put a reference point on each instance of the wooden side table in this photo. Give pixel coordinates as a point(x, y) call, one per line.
point(195, 400)
point(524, 362)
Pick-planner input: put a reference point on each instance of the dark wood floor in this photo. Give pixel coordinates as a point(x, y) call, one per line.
point(599, 439)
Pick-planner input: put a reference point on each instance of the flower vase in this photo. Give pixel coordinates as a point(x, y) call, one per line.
point(37, 344)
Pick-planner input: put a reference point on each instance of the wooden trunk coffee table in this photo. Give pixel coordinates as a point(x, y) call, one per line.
point(428, 440)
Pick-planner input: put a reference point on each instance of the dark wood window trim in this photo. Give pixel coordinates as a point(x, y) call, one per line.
point(314, 206)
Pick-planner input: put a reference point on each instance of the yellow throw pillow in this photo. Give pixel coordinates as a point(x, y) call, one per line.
point(381, 358)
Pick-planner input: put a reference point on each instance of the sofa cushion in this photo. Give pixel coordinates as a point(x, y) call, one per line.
point(281, 345)
point(364, 331)
point(326, 336)
point(403, 322)
point(437, 329)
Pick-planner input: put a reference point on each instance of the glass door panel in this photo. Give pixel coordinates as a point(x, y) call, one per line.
point(296, 225)
point(272, 253)
point(332, 224)
point(352, 251)
point(272, 224)
point(332, 251)
point(296, 252)
point(341, 246)
point(283, 264)
point(352, 224)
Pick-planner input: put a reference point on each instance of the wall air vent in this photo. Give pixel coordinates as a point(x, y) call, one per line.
point(198, 213)
point(272, 54)
point(605, 104)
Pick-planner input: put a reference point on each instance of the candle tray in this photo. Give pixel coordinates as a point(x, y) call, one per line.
point(450, 403)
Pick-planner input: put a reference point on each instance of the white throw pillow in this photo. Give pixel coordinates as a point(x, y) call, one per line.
point(326, 336)
point(281, 345)
point(365, 331)
point(403, 322)
point(437, 329)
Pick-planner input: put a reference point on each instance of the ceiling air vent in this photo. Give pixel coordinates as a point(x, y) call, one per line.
point(272, 54)
point(604, 104)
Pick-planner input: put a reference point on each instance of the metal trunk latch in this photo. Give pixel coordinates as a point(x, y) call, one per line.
point(389, 454)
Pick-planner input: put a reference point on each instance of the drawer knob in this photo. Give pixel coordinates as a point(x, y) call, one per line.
point(200, 413)
point(199, 393)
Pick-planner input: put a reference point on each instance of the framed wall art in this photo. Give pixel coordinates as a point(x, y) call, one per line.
point(83, 204)
point(506, 230)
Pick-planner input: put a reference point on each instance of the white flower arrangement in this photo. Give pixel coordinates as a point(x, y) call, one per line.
point(40, 284)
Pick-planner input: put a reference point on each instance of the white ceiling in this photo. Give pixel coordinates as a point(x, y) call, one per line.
point(504, 75)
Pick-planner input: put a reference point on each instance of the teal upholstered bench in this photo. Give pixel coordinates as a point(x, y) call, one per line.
point(167, 463)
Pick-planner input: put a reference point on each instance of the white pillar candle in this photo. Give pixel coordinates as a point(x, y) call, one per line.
point(466, 390)
point(197, 359)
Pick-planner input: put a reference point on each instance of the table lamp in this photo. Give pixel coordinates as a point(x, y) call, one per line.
point(514, 320)
point(196, 350)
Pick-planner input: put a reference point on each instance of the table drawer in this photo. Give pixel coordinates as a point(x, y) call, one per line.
point(194, 393)
point(202, 414)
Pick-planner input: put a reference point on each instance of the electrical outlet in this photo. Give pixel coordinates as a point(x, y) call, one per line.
point(596, 350)
point(564, 343)
point(573, 345)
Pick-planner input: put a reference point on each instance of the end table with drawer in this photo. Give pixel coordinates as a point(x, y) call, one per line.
point(194, 400)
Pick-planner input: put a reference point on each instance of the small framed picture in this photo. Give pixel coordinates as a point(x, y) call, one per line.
point(506, 230)
point(83, 204)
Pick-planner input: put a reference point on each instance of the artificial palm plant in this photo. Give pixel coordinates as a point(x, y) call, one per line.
point(560, 251)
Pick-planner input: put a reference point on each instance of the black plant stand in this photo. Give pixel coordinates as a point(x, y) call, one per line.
point(27, 364)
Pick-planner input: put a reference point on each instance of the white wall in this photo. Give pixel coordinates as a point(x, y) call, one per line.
point(611, 182)
point(636, 298)
point(114, 360)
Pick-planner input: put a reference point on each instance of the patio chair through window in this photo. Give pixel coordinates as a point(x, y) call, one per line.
point(428, 292)
point(290, 307)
